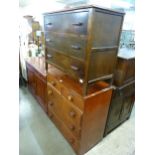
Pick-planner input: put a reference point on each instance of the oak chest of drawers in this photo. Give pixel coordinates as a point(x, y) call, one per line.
point(80, 119)
point(121, 105)
point(83, 42)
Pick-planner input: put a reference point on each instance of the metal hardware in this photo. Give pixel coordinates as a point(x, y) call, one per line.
point(75, 68)
point(78, 24)
point(49, 56)
point(76, 47)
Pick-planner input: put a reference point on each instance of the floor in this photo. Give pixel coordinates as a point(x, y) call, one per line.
point(39, 136)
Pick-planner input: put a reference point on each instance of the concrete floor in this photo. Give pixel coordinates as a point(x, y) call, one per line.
point(39, 136)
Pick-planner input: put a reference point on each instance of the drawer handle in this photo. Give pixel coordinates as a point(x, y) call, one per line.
point(72, 113)
point(72, 127)
point(50, 92)
point(77, 24)
point(70, 98)
point(49, 56)
point(48, 40)
point(75, 68)
point(53, 83)
point(49, 24)
point(75, 47)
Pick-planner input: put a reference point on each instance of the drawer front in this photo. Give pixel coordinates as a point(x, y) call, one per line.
point(54, 102)
point(76, 69)
point(73, 46)
point(72, 115)
point(67, 23)
point(73, 97)
point(55, 83)
point(72, 67)
point(58, 59)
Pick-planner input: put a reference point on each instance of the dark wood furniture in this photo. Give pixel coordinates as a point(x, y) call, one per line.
point(122, 101)
point(125, 68)
point(83, 42)
point(80, 119)
point(36, 73)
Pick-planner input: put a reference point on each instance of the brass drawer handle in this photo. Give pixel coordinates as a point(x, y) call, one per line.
point(70, 98)
point(76, 47)
point(77, 24)
point(72, 113)
point(75, 68)
point(49, 56)
point(72, 127)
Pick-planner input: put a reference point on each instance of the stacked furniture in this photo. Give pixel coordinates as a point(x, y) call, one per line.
point(124, 94)
point(81, 50)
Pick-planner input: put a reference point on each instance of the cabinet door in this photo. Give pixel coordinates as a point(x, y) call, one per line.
point(41, 91)
point(128, 102)
point(31, 80)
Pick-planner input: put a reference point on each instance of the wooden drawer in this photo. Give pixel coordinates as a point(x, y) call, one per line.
point(72, 67)
point(73, 97)
point(55, 83)
point(67, 23)
point(73, 46)
point(71, 114)
point(54, 101)
point(125, 71)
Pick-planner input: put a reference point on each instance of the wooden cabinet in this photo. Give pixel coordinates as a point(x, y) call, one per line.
point(125, 68)
point(121, 106)
point(37, 80)
point(80, 119)
point(83, 42)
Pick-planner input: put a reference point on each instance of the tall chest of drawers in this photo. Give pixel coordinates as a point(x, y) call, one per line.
point(83, 42)
point(80, 119)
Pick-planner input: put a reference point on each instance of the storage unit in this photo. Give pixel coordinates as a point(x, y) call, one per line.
point(80, 119)
point(125, 68)
point(83, 42)
point(37, 79)
point(123, 98)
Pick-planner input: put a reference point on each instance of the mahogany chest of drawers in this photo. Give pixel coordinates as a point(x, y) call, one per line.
point(80, 119)
point(83, 42)
point(121, 105)
point(125, 68)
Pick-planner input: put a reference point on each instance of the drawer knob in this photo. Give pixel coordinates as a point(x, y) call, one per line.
point(49, 92)
point(75, 47)
point(75, 68)
point(77, 24)
point(60, 80)
point(51, 103)
point(72, 113)
point(53, 83)
point(72, 127)
point(70, 98)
